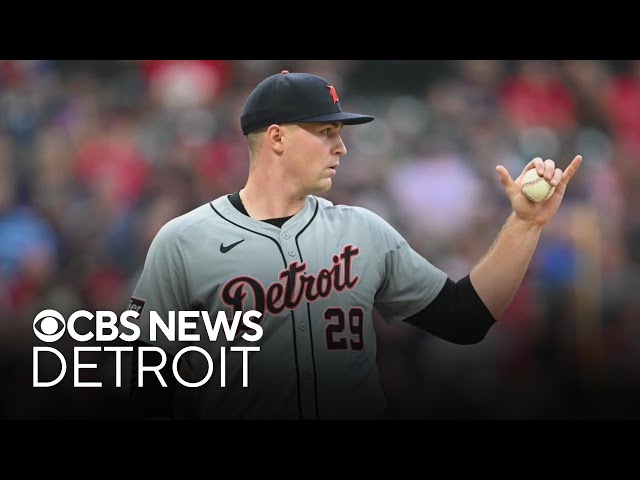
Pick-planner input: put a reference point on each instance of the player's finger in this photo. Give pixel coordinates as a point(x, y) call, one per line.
point(549, 169)
point(557, 177)
point(536, 163)
point(507, 182)
point(571, 170)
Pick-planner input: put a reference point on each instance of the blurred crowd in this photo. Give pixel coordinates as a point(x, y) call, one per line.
point(95, 156)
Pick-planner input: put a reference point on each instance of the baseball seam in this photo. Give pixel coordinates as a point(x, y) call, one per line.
point(532, 182)
point(535, 182)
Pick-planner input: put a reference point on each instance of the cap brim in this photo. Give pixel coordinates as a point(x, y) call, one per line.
point(345, 117)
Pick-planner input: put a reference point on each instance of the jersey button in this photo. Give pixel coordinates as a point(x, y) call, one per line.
point(306, 375)
point(303, 326)
point(291, 253)
point(285, 235)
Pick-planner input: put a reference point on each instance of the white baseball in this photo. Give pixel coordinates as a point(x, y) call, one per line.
point(535, 187)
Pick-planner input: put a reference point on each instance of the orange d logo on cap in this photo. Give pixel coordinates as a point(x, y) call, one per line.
point(333, 93)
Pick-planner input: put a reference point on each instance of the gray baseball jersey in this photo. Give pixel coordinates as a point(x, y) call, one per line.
point(316, 280)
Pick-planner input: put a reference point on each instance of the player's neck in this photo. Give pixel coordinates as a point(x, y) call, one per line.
point(266, 200)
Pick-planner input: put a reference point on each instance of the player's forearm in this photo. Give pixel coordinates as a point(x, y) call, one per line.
point(497, 277)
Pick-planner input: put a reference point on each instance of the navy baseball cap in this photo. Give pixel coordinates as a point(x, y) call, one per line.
point(295, 98)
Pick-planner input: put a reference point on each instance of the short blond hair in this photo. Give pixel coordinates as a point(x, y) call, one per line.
point(254, 139)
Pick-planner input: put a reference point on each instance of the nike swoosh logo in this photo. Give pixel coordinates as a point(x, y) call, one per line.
point(224, 249)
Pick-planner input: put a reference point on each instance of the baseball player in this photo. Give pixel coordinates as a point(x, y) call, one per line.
point(314, 270)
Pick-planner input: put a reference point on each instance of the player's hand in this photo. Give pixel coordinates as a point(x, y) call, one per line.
point(542, 212)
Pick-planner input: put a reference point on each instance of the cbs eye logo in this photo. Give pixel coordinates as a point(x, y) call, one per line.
point(51, 326)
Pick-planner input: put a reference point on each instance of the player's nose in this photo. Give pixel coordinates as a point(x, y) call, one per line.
point(340, 148)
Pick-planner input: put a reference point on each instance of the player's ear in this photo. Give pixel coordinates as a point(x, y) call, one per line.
point(274, 137)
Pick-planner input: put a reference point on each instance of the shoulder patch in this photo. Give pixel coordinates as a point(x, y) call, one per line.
point(136, 304)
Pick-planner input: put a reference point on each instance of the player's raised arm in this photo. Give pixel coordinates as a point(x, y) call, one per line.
point(498, 275)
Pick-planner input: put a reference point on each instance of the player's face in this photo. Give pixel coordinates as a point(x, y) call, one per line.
point(312, 153)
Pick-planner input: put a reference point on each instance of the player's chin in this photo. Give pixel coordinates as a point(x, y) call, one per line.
point(323, 185)
point(320, 186)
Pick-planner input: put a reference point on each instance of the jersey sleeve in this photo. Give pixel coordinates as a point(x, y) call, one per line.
point(409, 281)
point(162, 287)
